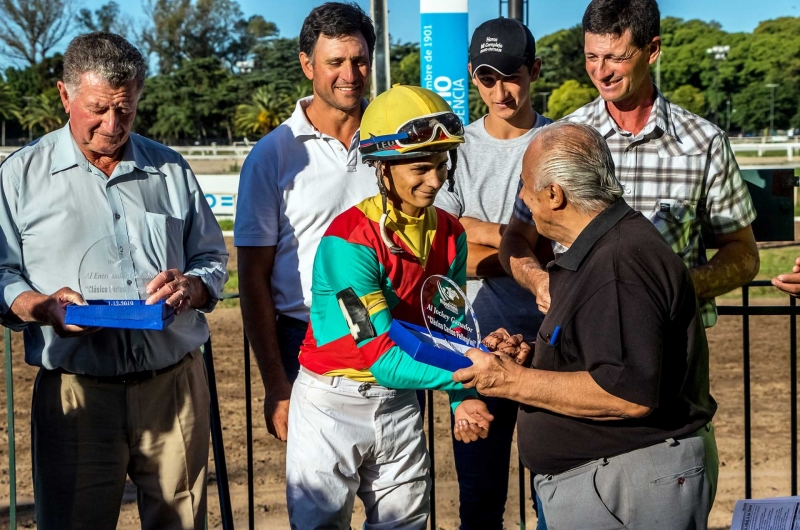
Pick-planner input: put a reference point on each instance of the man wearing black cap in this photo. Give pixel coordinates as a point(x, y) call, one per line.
point(503, 65)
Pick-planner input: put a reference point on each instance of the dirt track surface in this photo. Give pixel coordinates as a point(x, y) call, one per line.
point(770, 419)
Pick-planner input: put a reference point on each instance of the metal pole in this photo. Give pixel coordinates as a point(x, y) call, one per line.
point(544, 101)
point(658, 69)
point(225, 511)
point(728, 128)
point(381, 77)
point(248, 400)
point(771, 110)
point(12, 458)
point(771, 107)
point(793, 390)
point(431, 437)
point(515, 9)
point(748, 478)
point(522, 499)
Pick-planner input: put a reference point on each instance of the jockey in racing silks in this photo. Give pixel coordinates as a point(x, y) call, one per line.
point(355, 426)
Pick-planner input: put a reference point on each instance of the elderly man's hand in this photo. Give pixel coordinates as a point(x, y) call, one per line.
point(51, 310)
point(491, 374)
point(472, 419)
point(789, 283)
point(180, 291)
point(512, 345)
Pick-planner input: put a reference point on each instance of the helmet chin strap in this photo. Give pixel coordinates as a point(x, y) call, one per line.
point(394, 249)
point(451, 173)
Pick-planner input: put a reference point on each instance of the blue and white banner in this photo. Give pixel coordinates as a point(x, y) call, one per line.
point(444, 45)
point(223, 204)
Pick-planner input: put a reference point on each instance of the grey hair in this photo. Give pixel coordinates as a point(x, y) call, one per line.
point(107, 55)
point(577, 158)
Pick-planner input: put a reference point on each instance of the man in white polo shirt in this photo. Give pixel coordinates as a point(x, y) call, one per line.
point(294, 182)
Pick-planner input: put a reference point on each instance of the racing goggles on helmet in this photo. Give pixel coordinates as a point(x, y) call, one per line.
point(416, 132)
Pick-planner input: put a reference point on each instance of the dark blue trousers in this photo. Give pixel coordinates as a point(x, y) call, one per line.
point(482, 469)
point(291, 333)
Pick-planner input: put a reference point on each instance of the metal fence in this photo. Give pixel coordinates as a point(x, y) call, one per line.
point(745, 311)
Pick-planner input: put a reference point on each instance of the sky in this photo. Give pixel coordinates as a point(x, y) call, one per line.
point(546, 16)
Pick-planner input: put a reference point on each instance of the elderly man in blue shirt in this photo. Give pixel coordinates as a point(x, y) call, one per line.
point(110, 402)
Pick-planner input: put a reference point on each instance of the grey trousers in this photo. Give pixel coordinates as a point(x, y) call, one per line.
point(667, 486)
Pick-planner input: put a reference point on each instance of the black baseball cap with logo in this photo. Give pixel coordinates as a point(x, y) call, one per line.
point(502, 44)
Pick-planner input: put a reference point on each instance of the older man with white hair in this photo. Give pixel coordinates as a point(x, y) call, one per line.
point(110, 402)
point(616, 410)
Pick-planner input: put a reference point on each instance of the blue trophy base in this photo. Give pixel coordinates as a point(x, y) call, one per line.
point(126, 314)
point(428, 348)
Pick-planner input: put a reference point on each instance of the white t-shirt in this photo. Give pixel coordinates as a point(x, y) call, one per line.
point(486, 180)
point(292, 185)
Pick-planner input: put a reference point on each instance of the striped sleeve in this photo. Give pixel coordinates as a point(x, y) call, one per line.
point(729, 205)
point(341, 265)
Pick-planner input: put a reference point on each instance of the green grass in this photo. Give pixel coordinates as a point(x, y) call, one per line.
point(232, 286)
point(225, 224)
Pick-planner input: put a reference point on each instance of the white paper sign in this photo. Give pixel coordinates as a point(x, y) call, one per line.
point(781, 513)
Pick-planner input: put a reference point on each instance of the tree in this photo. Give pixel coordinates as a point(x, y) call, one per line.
point(477, 108)
point(163, 35)
point(44, 111)
point(250, 34)
point(562, 58)
point(107, 18)
point(181, 30)
point(208, 30)
point(404, 63)
point(276, 60)
point(8, 108)
point(33, 80)
point(689, 97)
point(752, 106)
point(568, 98)
point(29, 29)
point(196, 101)
point(267, 109)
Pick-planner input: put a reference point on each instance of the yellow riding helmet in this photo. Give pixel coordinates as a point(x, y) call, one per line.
point(408, 122)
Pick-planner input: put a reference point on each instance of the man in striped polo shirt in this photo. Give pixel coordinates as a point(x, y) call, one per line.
point(675, 167)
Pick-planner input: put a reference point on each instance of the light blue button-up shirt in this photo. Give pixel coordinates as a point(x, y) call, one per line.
point(56, 205)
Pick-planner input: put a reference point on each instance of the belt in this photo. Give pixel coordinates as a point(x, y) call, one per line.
point(331, 381)
point(328, 380)
point(291, 322)
point(131, 377)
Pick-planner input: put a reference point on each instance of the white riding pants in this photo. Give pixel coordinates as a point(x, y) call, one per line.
point(346, 439)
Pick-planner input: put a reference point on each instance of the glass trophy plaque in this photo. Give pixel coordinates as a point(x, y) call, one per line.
point(448, 313)
point(113, 280)
point(450, 327)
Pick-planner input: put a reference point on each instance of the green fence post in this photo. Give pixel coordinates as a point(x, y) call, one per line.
point(12, 459)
